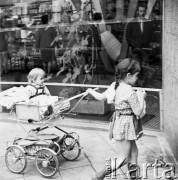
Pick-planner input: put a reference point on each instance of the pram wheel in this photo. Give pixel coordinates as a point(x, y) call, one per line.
point(47, 162)
point(71, 148)
point(15, 159)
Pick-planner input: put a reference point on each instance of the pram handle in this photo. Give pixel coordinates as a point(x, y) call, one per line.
point(67, 100)
point(82, 94)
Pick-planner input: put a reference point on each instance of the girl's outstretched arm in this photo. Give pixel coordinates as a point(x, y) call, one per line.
point(96, 95)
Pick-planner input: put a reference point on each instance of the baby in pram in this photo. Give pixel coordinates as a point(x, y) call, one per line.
point(36, 93)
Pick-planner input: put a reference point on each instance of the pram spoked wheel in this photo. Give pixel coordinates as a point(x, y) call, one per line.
point(47, 162)
point(15, 159)
point(71, 148)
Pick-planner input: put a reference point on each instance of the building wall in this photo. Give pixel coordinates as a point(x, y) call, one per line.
point(170, 73)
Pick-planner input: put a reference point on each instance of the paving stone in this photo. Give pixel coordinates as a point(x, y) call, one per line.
point(39, 177)
point(80, 162)
point(2, 152)
point(6, 174)
point(80, 173)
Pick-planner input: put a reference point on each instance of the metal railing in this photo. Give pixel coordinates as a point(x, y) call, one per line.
point(148, 90)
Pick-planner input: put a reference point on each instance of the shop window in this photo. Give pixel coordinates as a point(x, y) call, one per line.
point(79, 57)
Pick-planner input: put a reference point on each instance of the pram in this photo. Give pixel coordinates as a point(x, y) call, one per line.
point(43, 148)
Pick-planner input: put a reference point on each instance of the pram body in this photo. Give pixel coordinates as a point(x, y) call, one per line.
point(31, 111)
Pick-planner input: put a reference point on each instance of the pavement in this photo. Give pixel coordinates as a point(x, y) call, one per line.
point(97, 148)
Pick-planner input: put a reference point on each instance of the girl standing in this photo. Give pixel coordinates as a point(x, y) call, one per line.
point(125, 126)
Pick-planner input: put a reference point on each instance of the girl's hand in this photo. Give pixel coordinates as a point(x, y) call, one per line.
point(89, 91)
point(142, 93)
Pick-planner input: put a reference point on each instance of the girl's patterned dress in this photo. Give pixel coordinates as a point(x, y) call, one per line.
point(125, 99)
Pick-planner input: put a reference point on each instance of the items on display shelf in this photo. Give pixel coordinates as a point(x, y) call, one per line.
point(87, 10)
point(45, 8)
point(65, 18)
point(56, 9)
point(17, 63)
point(67, 6)
point(20, 8)
point(66, 12)
point(34, 8)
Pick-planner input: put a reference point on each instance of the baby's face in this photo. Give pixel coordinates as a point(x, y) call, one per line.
point(39, 80)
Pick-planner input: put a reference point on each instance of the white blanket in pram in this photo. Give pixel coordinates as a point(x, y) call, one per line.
point(11, 96)
point(19, 94)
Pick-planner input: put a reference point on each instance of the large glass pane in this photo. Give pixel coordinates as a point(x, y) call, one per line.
point(90, 38)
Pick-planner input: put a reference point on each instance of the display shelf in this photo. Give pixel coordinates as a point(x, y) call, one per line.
point(24, 62)
point(42, 1)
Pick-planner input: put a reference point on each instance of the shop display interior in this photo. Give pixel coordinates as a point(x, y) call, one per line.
point(78, 60)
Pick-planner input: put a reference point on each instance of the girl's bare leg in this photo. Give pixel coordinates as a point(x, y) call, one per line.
point(123, 148)
point(132, 165)
point(133, 153)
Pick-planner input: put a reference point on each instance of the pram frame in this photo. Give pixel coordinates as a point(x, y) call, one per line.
point(60, 143)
